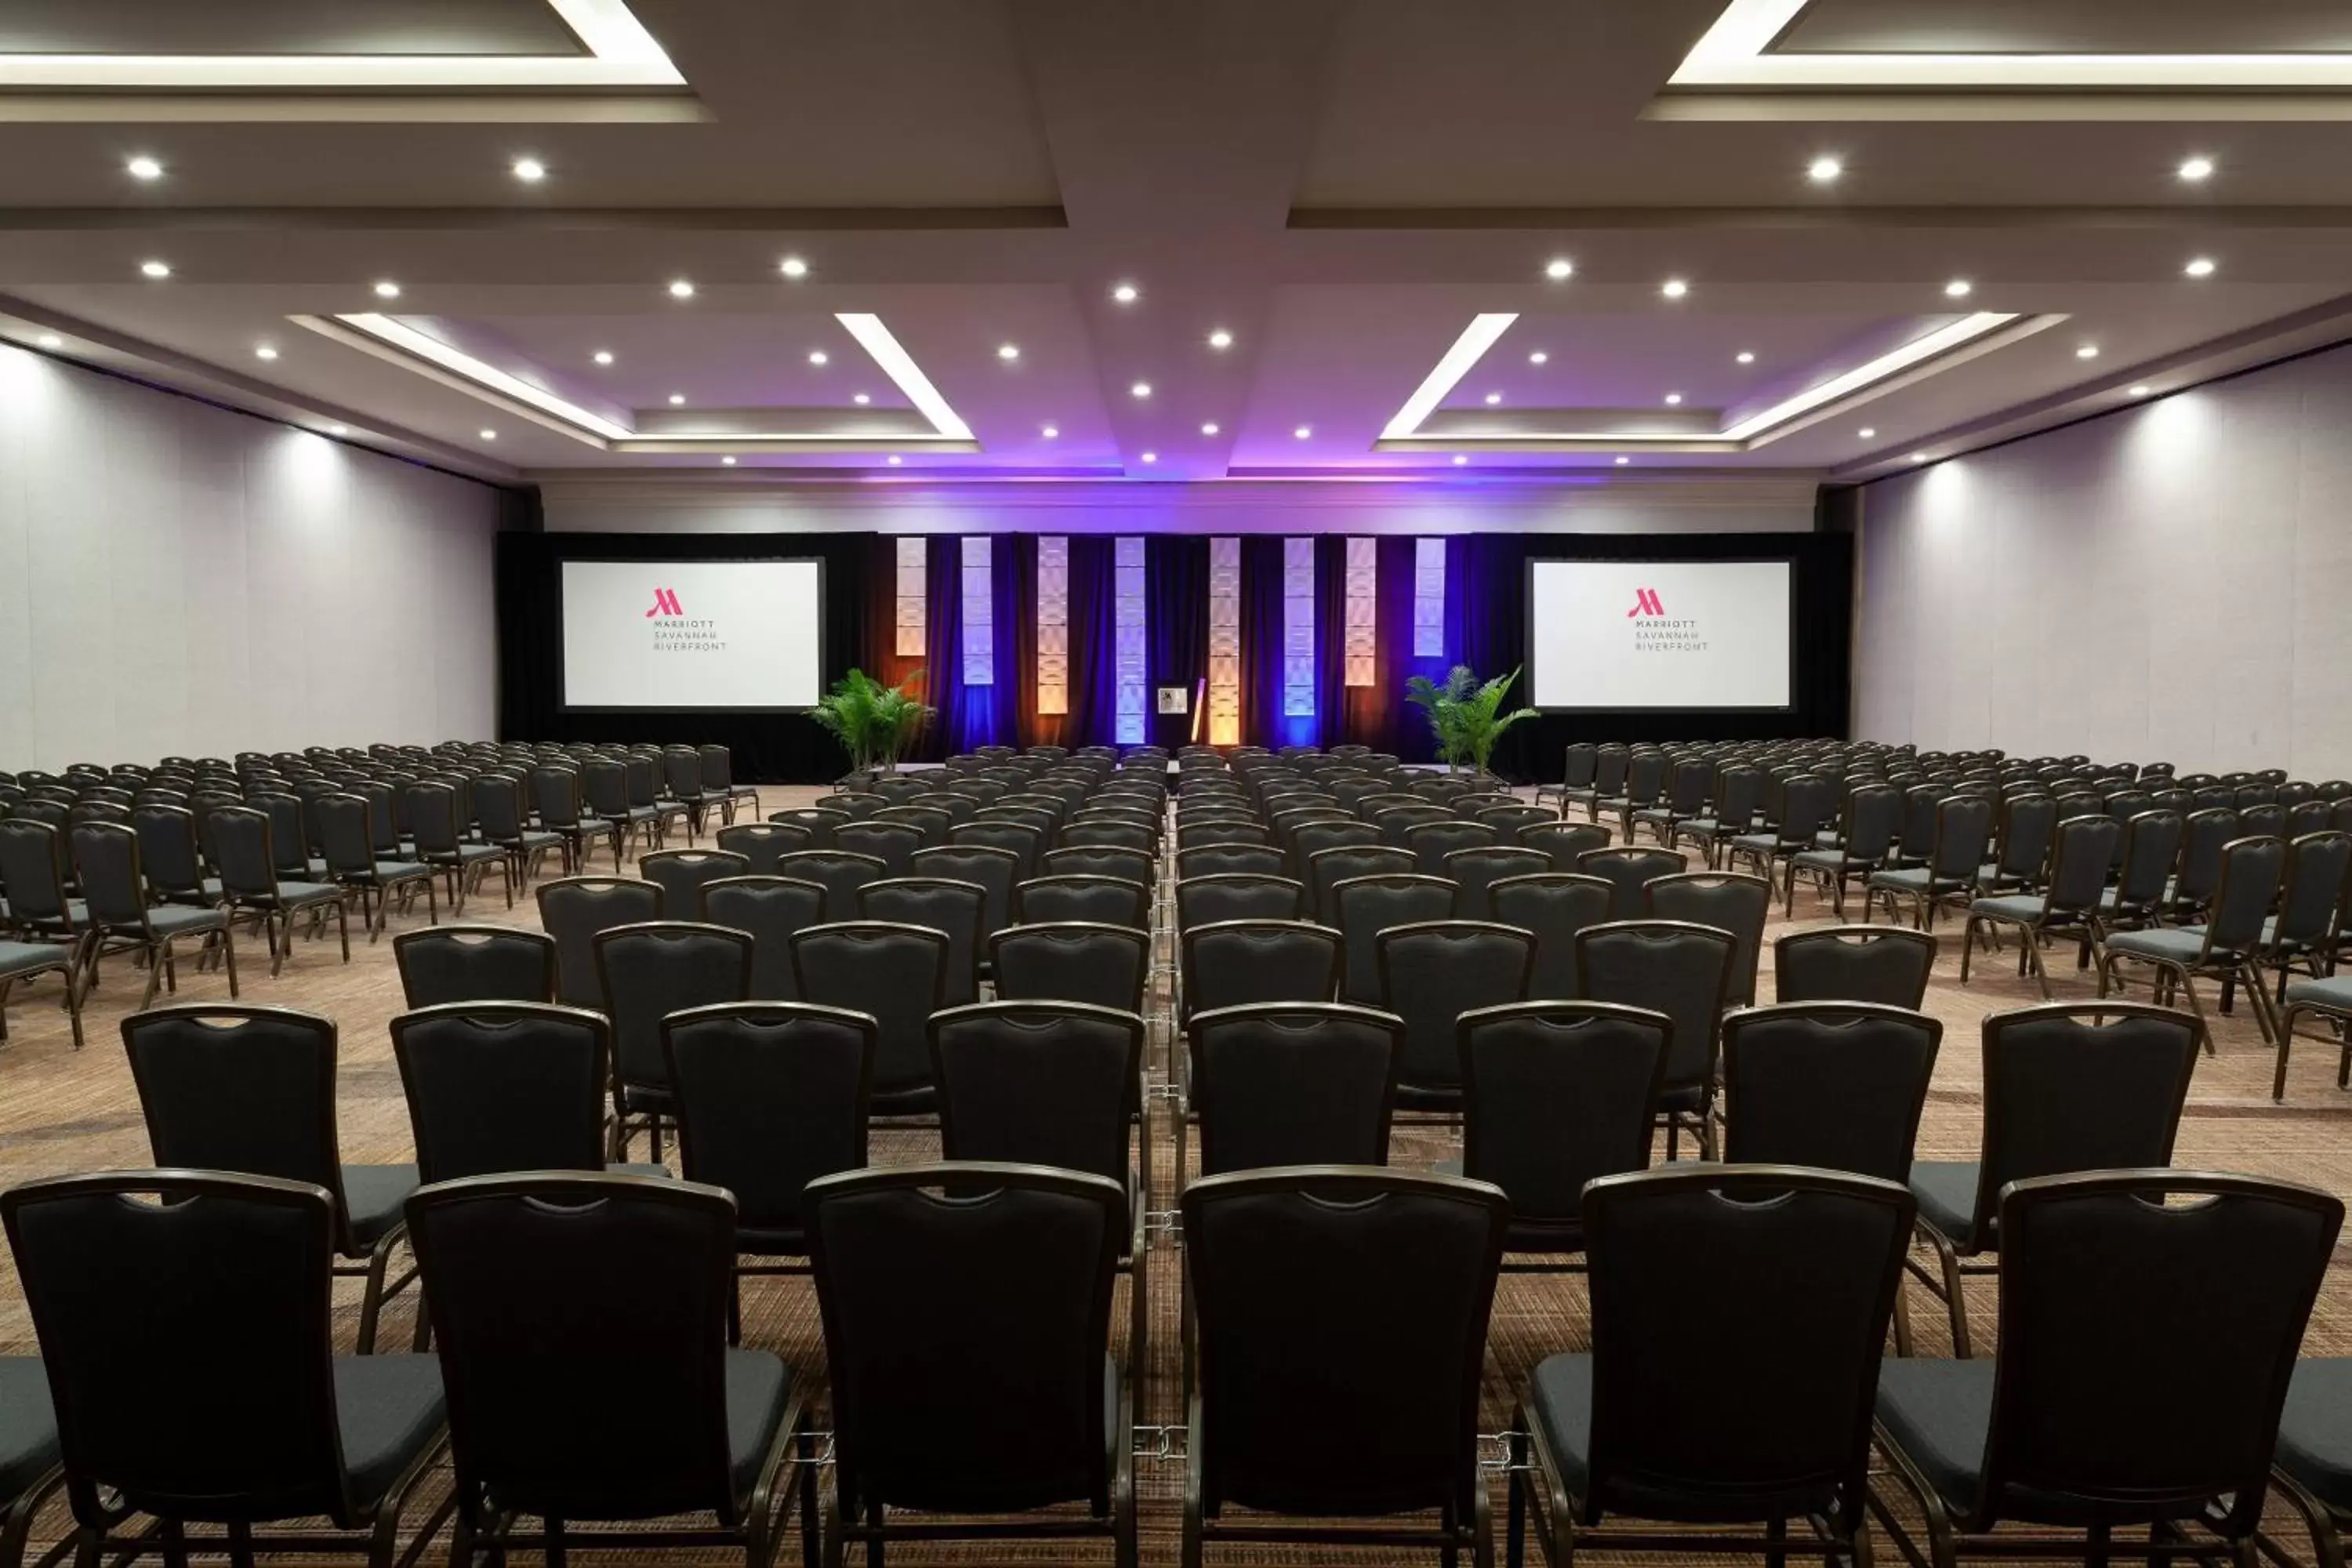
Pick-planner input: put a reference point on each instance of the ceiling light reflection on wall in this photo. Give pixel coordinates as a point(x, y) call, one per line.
point(1623, 462)
point(896, 459)
point(339, 430)
point(142, 167)
point(727, 462)
point(1868, 434)
point(1459, 459)
point(818, 356)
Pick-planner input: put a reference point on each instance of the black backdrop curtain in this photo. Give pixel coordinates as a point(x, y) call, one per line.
point(528, 594)
point(1176, 593)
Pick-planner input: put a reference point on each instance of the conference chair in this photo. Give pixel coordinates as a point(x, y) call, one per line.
point(1629, 870)
point(1431, 973)
point(439, 831)
point(2223, 949)
point(840, 872)
point(1731, 813)
point(1727, 900)
point(474, 963)
point(1109, 835)
point(1787, 1277)
point(892, 843)
point(2142, 873)
point(209, 1392)
point(23, 961)
point(642, 770)
point(2313, 895)
point(1363, 907)
point(1684, 799)
point(1327, 869)
point(930, 822)
point(120, 918)
point(2162, 1408)
point(818, 822)
point(1552, 907)
point(1683, 971)
point(1475, 870)
point(993, 870)
point(574, 1402)
point(1963, 826)
point(1887, 965)
point(1217, 859)
point(1072, 960)
point(644, 973)
point(1346, 1310)
point(681, 781)
point(2204, 835)
point(1396, 823)
point(2089, 1087)
point(1002, 1339)
point(1103, 901)
point(1554, 1095)
point(1865, 840)
point(1289, 1083)
point(1431, 843)
point(1239, 963)
point(1836, 1086)
point(951, 908)
point(1237, 896)
point(1024, 841)
point(1506, 820)
point(769, 1096)
point(1582, 763)
point(894, 973)
point(1308, 839)
point(2023, 835)
point(682, 874)
point(1805, 803)
point(168, 854)
point(1098, 860)
point(719, 782)
point(350, 860)
point(574, 910)
point(769, 910)
point(498, 817)
point(252, 1090)
point(2080, 854)
point(763, 843)
point(249, 882)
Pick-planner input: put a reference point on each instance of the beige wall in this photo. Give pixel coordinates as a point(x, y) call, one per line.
point(176, 578)
point(2172, 583)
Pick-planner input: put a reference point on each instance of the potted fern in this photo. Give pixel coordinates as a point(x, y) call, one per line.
point(1465, 714)
point(875, 724)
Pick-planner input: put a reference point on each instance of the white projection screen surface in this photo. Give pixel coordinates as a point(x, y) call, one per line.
point(1659, 634)
point(693, 634)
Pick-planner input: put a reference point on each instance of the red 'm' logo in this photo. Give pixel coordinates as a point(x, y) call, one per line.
point(665, 604)
point(1646, 602)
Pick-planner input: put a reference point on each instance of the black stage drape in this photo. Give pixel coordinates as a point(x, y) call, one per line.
point(1176, 596)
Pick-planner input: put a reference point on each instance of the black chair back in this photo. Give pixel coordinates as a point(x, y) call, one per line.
point(1554, 1095)
point(573, 910)
point(647, 972)
point(1726, 900)
point(1564, 842)
point(1233, 964)
point(497, 1086)
point(1215, 860)
point(1103, 965)
point(817, 821)
point(1887, 965)
point(1290, 1083)
point(475, 963)
point(1630, 870)
point(840, 872)
point(1552, 906)
point(1433, 972)
point(682, 874)
point(1476, 872)
point(950, 908)
point(894, 973)
point(1038, 1083)
point(763, 843)
point(1363, 907)
point(167, 848)
point(1100, 901)
point(1327, 869)
point(1238, 896)
point(1096, 860)
point(1669, 966)
point(1838, 1085)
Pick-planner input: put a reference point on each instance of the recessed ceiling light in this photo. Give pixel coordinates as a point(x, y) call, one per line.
point(1050, 431)
point(50, 341)
point(818, 356)
point(386, 288)
point(1674, 399)
point(1151, 456)
point(793, 267)
point(1492, 398)
point(1959, 289)
point(727, 462)
point(1220, 339)
point(2138, 391)
point(1008, 353)
point(1822, 171)
point(896, 459)
point(1140, 389)
point(1459, 459)
point(1674, 287)
point(859, 398)
point(2195, 169)
point(681, 289)
point(1744, 357)
point(1538, 357)
point(339, 430)
point(2201, 267)
point(1919, 457)
point(1868, 434)
point(530, 170)
point(1304, 431)
point(2088, 351)
point(603, 356)
point(142, 167)
point(1559, 267)
point(489, 435)
point(156, 269)
point(1211, 429)
point(677, 400)
point(1126, 293)
point(265, 351)
point(1623, 462)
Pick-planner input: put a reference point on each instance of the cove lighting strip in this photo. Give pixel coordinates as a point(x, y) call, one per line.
point(1298, 628)
point(979, 610)
point(1224, 642)
point(1054, 626)
point(1362, 594)
point(914, 577)
point(621, 54)
point(1132, 627)
point(420, 351)
point(1737, 52)
point(1404, 433)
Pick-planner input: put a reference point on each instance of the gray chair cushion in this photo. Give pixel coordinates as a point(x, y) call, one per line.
point(631, 1169)
point(30, 957)
point(1560, 1405)
point(2315, 1440)
point(373, 1194)
point(1939, 1413)
point(401, 871)
point(1946, 1191)
point(28, 1426)
point(2178, 945)
point(758, 1387)
point(294, 895)
point(1819, 860)
point(1756, 841)
point(169, 920)
point(388, 1408)
point(1911, 878)
point(2019, 908)
point(2334, 994)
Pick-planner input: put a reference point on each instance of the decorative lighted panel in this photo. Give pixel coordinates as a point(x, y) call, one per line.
point(1127, 565)
point(912, 618)
point(1224, 642)
point(1364, 618)
point(1429, 598)
point(979, 612)
point(1298, 628)
point(1053, 626)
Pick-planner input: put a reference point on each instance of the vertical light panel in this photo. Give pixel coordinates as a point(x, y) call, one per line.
point(1224, 642)
point(1429, 598)
point(1363, 616)
point(1298, 628)
point(1133, 630)
point(913, 618)
point(979, 611)
point(1053, 626)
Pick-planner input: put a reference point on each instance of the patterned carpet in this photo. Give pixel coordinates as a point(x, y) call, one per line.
point(63, 1112)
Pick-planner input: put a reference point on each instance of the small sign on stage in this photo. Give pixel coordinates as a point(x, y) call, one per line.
point(1175, 700)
